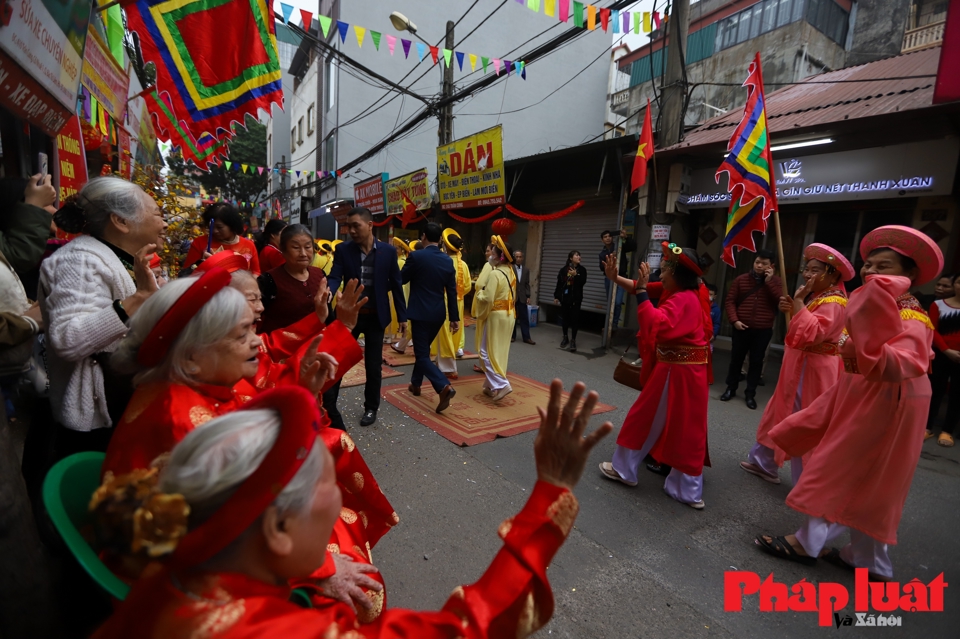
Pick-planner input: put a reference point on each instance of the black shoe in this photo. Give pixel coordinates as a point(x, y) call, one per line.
point(573, 346)
point(760, 382)
point(751, 403)
point(728, 395)
point(369, 416)
point(565, 341)
point(660, 469)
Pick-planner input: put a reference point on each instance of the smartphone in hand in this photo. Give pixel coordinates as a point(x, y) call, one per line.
point(42, 166)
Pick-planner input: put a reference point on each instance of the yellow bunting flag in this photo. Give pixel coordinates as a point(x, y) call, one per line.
point(473, 62)
point(647, 28)
point(550, 8)
point(360, 33)
point(591, 17)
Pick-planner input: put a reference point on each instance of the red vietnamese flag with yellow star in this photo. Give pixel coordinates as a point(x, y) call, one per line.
point(644, 152)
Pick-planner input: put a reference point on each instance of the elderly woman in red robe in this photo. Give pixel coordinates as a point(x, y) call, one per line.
point(196, 356)
point(810, 363)
point(866, 431)
point(669, 419)
point(245, 499)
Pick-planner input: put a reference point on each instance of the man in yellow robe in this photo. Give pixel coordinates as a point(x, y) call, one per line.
point(447, 343)
point(393, 330)
point(494, 305)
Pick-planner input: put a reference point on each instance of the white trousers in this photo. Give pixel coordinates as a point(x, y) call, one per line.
point(447, 364)
point(763, 457)
point(495, 381)
point(863, 551)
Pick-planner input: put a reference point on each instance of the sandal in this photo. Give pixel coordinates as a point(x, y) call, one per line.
point(753, 469)
point(697, 505)
point(927, 434)
point(945, 440)
point(607, 470)
point(779, 547)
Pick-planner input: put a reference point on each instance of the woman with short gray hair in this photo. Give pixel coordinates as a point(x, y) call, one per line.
point(88, 290)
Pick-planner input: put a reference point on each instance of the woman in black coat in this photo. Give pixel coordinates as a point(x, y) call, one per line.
point(569, 295)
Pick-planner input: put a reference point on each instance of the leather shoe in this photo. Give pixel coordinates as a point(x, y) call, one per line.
point(445, 396)
point(513, 339)
point(751, 403)
point(369, 416)
point(727, 395)
point(414, 390)
point(530, 342)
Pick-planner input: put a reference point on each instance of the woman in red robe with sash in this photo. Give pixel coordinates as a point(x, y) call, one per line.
point(226, 575)
point(185, 377)
point(669, 419)
point(866, 432)
point(810, 363)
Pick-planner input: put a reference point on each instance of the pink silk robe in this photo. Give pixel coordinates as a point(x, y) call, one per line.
point(511, 599)
point(683, 443)
point(866, 431)
point(820, 321)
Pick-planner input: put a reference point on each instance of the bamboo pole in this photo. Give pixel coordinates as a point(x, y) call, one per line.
point(783, 272)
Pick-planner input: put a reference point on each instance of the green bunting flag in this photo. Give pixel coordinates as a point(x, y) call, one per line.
point(228, 164)
point(446, 56)
point(324, 24)
point(375, 35)
point(578, 14)
point(485, 62)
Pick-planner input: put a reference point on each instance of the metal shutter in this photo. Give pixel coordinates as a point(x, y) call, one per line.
point(579, 231)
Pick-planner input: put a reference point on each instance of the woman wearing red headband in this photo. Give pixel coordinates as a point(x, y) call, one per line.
point(195, 356)
point(247, 496)
point(866, 431)
point(669, 419)
point(810, 363)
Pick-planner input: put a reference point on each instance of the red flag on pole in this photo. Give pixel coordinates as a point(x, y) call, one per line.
point(947, 87)
point(644, 152)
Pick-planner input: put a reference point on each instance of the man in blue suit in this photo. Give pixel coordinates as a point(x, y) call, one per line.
point(373, 264)
point(430, 273)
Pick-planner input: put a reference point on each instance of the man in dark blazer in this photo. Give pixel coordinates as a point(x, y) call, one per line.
point(430, 274)
point(373, 264)
point(523, 299)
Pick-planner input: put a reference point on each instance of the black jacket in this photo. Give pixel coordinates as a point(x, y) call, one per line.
point(572, 296)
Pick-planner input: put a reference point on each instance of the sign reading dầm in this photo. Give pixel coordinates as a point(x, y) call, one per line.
point(412, 185)
point(470, 171)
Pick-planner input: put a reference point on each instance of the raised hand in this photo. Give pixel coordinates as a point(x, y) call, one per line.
point(643, 275)
point(321, 301)
point(41, 195)
point(349, 303)
point(561, 449)
point(317, 368)
point(610, 267)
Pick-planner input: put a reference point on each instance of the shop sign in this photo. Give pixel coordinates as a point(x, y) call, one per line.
point(412, 185)
point(123, 153)
point(26, 99)
point(103, 77)
point(71, 159)
point(470, 171)
point(902, 170)
point(369, 194)
point(46, 38)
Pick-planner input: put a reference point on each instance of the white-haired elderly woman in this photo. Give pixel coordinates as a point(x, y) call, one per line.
point(194, 356)
point(88, 290)
point(245, 498)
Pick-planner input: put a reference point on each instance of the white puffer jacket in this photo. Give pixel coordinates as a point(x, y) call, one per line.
point(78, 285)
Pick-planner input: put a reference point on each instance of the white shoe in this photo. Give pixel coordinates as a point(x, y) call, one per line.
point(459, 352)
point(503, 392)
point(608, 471)
point(488, 392)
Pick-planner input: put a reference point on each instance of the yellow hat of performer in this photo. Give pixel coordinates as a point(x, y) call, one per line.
point(451, 245)
point(334, 244)
point(401, 245)
point(415, 245)
point(498, 242)
point(325, 246)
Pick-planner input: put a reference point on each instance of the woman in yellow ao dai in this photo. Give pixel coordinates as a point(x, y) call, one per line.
point(494, 304)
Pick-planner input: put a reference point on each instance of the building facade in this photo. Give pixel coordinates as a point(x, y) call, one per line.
point(278, 123)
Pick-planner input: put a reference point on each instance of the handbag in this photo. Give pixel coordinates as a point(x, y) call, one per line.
point(627, 373)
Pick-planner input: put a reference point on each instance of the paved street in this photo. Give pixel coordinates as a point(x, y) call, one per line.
point(637, 564)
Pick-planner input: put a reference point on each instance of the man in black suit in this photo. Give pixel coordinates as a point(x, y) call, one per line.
point(523, 299)
point(430, 274)
point(373, 264)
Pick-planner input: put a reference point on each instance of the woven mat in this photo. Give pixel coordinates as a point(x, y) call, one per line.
point(474, 418)
point(357, 376)
point(393, 358)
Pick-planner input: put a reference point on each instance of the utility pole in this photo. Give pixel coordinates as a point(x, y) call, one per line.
point(674, 89)
point(446, 115)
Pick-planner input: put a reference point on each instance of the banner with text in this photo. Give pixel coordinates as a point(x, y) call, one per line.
point(414, 186)
point(103, 77)
point(124, 157)
point(470, 171)
point(72, 165)
point(369, 194)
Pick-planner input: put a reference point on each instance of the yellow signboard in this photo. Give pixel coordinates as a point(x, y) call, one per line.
point(412, 187)
point(470, 171)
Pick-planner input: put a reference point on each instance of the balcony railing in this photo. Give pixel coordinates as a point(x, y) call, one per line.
point(929, 35)
point(619, 101)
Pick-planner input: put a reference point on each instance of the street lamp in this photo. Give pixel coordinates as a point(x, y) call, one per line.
point(401, 22)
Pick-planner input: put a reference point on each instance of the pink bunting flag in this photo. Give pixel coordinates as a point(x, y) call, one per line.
point(496, 65)
point(564, 10)
point(391, 43)
point(260, 169)
point(656, 19)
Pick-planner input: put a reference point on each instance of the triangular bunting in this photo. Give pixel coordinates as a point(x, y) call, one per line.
point(447, 54)
point(342, 27)
point(496, 65)
point(578, 14)
point(435, 54)
point(533, 5)
point(360, 31)
point(406, 48)
point(421, 50)
point(550, 8)
point(298, 175)
point(375, 36)
point(228, 163)
point(591, 17)
point(604, 19)
point(508, 66)
point(625, 16)
point(564, 13)
point(460, 60)
point(324, 24)
point(485, 62)
point(391, 43)
point(615, 19)
point(286, 10)
point(244, 167)
point(260, 170)
point(473, 61)
point(307, 18)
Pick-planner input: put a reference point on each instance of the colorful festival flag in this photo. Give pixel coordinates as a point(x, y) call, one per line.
point(406, 48)
point(286, 10)
point(307, 18)
point(360, 31)
point(749, 169)
point(604, 18)
point(343, 27)
point(626, 21)
point(473, 62)
point(421, 50)
point(550, 8)
point(447, 53)
point(325, 23)
point(391, 43)
point(615, 19)
point(496, 65)
point(564, 13)
point(375, 36)
point(460, 60)
point(591, 17)
point(577, 14)
point(644, 152)
point(485, 62)
point(434, 53)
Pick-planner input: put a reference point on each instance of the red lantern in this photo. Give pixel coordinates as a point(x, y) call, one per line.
point(504, 226)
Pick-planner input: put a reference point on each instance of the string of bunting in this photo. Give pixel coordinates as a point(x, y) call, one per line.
point(588, 16)
point(550, 216)
point(439, 55)
point(475, 220)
